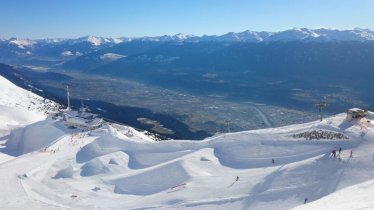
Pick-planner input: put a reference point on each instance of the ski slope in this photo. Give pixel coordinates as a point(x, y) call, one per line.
point(45, 165)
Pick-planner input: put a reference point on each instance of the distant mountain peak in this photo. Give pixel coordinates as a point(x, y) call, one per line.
point(22, 43)
point(181, 36)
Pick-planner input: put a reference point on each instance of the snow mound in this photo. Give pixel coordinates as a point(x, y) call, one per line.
point(140, 156)
point(147, 159)
point(65, 173)
point(103, 145)
point(116, 163)
point(152, 181)
point(33, 137)
point(117, 159)
point(94, 167)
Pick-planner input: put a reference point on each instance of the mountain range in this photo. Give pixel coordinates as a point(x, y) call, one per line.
point(295, 34)
point(54, 51)
point(79, 46)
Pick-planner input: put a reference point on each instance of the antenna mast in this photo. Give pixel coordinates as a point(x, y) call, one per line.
point(321, 106)
point(68, 95)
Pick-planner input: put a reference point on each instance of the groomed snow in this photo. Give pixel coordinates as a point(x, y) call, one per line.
point(117, 167)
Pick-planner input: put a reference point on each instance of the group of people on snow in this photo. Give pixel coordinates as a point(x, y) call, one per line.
point(336, 153)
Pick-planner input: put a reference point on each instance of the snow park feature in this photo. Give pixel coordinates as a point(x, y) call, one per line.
point(45, 164)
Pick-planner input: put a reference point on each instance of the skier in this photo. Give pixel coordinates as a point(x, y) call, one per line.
point(340, 150)
point(237, 178)
point(351, 154)
point(272, 161)
point(305, 200)
point(333, 153)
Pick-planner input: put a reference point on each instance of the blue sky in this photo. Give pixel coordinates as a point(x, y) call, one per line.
point(117, 18)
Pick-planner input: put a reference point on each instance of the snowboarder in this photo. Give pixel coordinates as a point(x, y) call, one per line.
point(272, 161)
point(305, 200)
point(237, 178)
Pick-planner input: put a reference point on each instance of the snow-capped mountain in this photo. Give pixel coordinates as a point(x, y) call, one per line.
point(22, 43)
point(165, 38)
point(70, 48)
point(295, 34)
point(245, 36)
point(45, 164)
point(16, 48)
point(94, 40)
point(352, 35)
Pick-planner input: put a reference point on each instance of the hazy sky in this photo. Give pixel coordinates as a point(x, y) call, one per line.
point(115, 18)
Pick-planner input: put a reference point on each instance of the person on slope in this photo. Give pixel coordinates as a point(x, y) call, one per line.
point(237, 178)
point(334, 153)
point(340, 150)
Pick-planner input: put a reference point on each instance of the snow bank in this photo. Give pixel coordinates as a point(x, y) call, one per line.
point(33, 137)
point(116, 162)
point(103, 145)
point(94, 167)
point(152, 181)
point(65, 173)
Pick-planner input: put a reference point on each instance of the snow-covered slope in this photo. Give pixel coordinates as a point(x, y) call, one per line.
point(20, 107)
point(117, 167)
